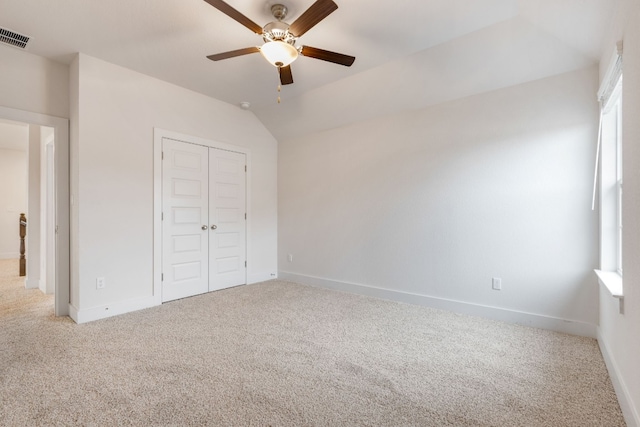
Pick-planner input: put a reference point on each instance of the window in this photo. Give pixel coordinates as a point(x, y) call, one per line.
point(618, 107)
point(616, 149)
point(611, 182)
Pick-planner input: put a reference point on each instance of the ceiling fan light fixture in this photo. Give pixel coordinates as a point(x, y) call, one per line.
point(278, 53)
point(280, 38)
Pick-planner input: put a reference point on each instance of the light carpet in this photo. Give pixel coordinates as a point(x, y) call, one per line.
point(284, 354)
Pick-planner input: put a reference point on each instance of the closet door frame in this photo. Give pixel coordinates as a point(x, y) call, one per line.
point(158, 135)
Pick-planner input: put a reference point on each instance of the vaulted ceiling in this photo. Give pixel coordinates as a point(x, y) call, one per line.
point(410, 53)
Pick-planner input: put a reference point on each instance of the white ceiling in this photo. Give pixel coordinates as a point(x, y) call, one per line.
point(410, 53)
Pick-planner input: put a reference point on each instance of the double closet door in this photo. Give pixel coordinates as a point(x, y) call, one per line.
point(203, 219)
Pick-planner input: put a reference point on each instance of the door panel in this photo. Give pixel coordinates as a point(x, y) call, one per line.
point(202, 186)
point(185, 207)
point(227, 207)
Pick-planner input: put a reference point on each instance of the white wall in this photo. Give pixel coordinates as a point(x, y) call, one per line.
point(619, 334)
point(47, 224)
point(74, 163)
point(32, 83)
point(112, 177)
point(33, 211)
point(13, 198)
point(436, 202)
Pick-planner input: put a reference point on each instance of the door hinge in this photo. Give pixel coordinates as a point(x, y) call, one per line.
point(245, 215)
point(245, 168)
point(162, 277)
point(245, 264)
point(161, 216)
point(162, 155)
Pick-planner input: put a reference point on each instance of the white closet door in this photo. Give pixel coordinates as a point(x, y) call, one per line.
point(227, 210)
point(185, 230)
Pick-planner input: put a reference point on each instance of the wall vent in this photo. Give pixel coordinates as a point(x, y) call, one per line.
point(14, 39)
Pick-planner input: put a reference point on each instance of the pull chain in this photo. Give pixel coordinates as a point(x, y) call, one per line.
point(279, 89)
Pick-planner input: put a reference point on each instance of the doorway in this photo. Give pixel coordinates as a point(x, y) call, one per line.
point(50, 218)
point(202, 191)
point(14, 169)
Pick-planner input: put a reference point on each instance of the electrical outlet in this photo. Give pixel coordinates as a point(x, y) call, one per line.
point(290, 257)
point(101, 283)
point(496, 283)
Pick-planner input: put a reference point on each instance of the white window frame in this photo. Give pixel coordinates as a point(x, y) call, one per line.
point(611, 184)
point(618, 106)
point(609, 169)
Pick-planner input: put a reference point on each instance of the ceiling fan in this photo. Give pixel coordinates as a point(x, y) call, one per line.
point(280, 38)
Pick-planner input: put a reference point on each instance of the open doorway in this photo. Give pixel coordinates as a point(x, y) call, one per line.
point(46, 150)
point(27, 187)
point(14, 155)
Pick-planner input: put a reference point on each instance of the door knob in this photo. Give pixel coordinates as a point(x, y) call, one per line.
point(204, 227)
point(213, 227)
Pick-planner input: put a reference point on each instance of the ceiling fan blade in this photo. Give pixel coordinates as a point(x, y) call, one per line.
point(234, 14)
point(286, 78)
point(325, 55)
point(316, 13)
point(233, 53)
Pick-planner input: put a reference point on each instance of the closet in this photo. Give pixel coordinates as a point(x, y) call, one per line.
point(203, 219)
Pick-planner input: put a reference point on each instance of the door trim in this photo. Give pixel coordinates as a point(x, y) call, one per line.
point(61, 159)
point(158, 135)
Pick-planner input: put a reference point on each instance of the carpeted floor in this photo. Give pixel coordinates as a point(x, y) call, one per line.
point(283, 354)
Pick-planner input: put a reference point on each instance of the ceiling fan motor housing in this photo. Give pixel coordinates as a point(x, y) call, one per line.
point(278, 31)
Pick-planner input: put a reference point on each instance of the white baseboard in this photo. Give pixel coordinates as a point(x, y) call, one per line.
point(511, 316)
point(260, 277)
point(73, 313)
point(10, 255)
point(32, 283)
point(622, 392)
point(109, 310)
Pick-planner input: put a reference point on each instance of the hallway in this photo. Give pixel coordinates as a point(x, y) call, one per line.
point(16, 302)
